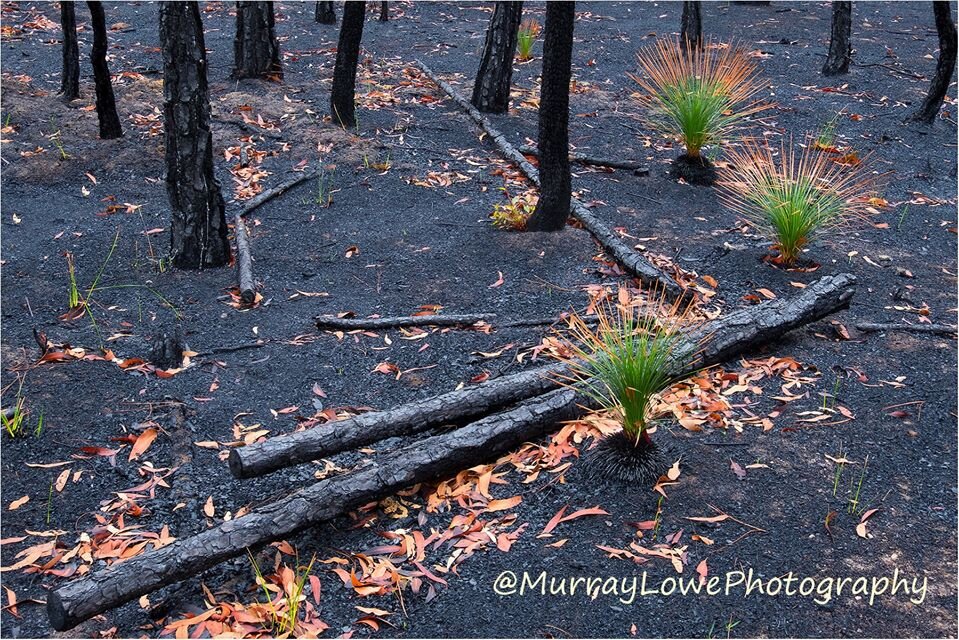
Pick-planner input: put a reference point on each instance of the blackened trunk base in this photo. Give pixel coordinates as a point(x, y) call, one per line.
point(698, 171)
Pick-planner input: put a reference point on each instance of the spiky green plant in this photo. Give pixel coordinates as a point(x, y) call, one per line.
point(697, 95)
point(633, 353)
point(526, 36)
point(791, 196)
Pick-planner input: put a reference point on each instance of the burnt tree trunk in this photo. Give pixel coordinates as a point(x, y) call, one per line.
point(421, 461)
point(840, 48)
point(692, 25)
point(945, 66)
point(106, 104)
point(491, 88)
point(70, 74)
point(324, 13)
point(384, 11)
point(256, 52)
point(198, 230)
point(343, 93)
point(556, 183)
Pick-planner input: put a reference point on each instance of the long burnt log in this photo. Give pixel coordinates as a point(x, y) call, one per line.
point(632, 260)
point(408, 419)
point(707, 345)
point(582, 158)
point(421, 461)
point(427, 459)
point(453, 320)
point(244, 261)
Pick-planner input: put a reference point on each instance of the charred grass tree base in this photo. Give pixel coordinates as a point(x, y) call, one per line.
point(695, 170)
point(619, 458)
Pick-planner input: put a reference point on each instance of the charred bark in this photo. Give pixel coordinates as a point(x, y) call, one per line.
point(582, 158)
point(552, 210)
point(343, 93)
point(70, 73)
point(945, 66)
point(727, 336)
point(625, 255)
point(106, 103)
point(256, 52)
point(840, 47)
point(692, 25)
point(495, 75)
point(324, 13)
point(198, 229)
point(384, 11)
point(454, 407)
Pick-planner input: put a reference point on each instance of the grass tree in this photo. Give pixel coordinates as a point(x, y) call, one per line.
point(198, 230)
point(106, 103)
point(70, 73)
point(495, 75)
point(697, 96)
point(623, 363)
point(793, 195)
point(256, 52)
point(840, 47)
point(343, 94)
point(552, 209)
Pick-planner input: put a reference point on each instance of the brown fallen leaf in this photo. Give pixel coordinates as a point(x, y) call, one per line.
point(62, 480)
point(19, 502)
point(861, 527)
point(499, 281)
point(143, 442)
point(737, 469)
point(505, 503)
point(208, 507)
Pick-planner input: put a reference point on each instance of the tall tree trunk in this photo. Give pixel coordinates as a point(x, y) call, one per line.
point(70, 74)
point(944, 67)
point(324, 12)
point(840, 49)
point(256, 53)
point(491, 88)
point(198, 231)
point(343, 94)
point(384, 11)
point(555, 180)
point(692, 26)
point(106, 104)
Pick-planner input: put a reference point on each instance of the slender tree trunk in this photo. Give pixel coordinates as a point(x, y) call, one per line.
point(384, 11)
point(106, 104)
point(256, 52)
point(343, 94)
point(692, 27)
point(555, 180)
point(324, 12)
point(198, 231)
point(945, 67)
point(70, 74)
point(840, 49)
point(491, 88)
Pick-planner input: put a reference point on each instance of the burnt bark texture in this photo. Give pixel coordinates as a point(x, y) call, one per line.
point(629, 258)
point(945, 66)
point(692, 25)
point(421, 461)
point(343, 93)
point(454, 407)
point(384, 11)
point(324, 13)
point(70, 73)
point(106, 104)
point(840, 46)
point(256, 52)
point(198, 229)
point(495, 75)
point(556, 182)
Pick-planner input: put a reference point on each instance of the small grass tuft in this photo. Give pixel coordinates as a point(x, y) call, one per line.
point(526, 36)
point(791, 196)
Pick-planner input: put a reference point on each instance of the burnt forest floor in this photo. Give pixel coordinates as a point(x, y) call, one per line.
point(412, 188)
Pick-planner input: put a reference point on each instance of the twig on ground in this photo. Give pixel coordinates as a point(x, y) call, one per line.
point(938, 329)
